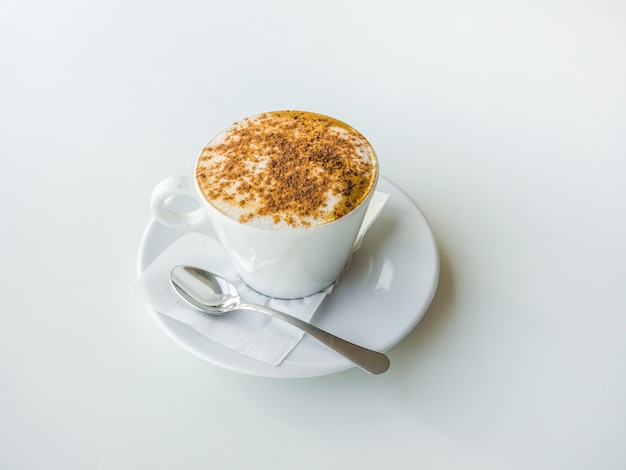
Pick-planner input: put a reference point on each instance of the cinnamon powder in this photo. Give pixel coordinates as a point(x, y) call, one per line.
point(291, 167)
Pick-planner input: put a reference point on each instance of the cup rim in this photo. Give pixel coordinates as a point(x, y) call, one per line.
point(215, 210)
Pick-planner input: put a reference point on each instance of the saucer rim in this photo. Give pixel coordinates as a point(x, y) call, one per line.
point(232, 360)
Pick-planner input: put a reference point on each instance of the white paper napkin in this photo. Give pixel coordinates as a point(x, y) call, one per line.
point(251, 333)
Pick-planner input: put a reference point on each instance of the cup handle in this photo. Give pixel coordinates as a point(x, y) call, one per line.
point(196, 220)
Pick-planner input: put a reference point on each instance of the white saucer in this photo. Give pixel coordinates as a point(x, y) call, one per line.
point(384, 294)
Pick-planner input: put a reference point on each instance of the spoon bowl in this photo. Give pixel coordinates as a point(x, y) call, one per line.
point(212, 294)
point(204, 290)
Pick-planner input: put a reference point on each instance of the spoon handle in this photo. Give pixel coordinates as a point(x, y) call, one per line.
point(371, 361)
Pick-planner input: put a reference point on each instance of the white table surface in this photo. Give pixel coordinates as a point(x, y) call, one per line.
point(504, 121)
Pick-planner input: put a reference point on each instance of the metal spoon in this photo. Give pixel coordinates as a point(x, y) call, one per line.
point(212, 294)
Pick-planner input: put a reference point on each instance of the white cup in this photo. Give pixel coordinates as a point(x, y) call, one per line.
point(285, 263)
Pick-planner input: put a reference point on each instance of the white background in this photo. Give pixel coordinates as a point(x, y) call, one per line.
point(504, 120)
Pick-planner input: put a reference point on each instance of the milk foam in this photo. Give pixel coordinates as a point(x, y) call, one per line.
point(287, 169)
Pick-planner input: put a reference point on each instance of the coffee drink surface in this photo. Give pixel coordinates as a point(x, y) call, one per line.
point(287, 169)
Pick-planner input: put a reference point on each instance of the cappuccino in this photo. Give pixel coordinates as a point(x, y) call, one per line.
point(287, 169)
